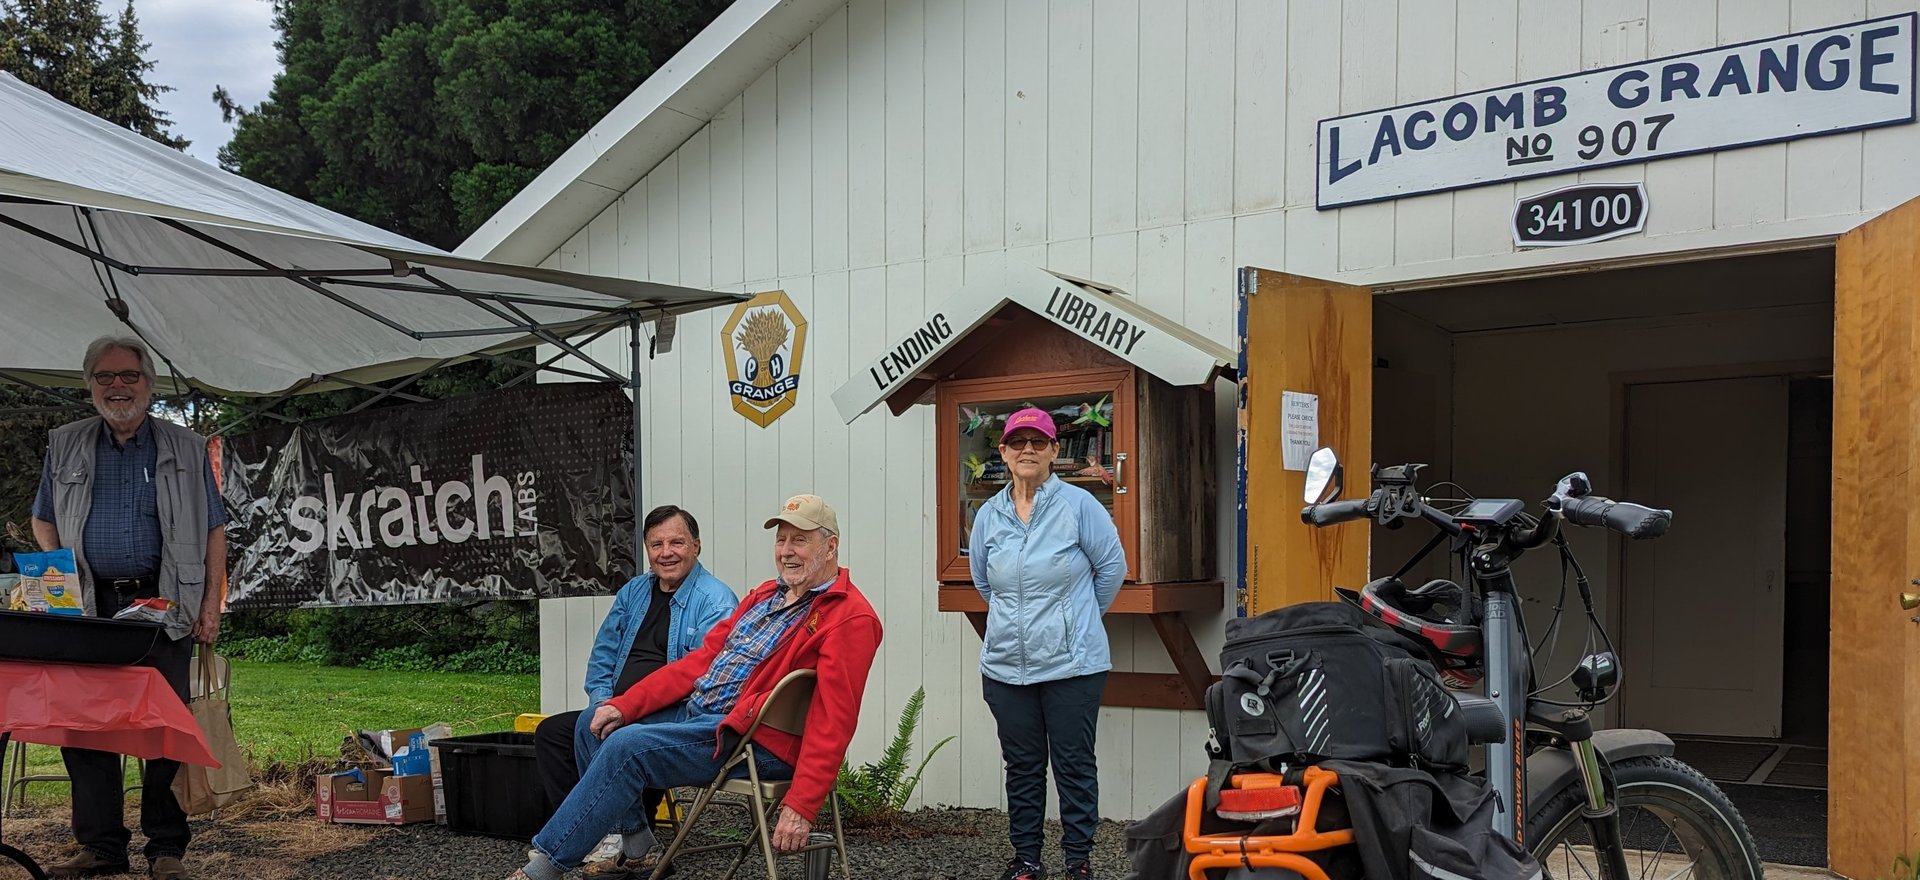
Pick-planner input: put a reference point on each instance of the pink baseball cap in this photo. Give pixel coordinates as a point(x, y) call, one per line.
point(1034, 418)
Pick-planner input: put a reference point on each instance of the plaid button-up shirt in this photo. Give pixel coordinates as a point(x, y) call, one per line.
point(753, 638)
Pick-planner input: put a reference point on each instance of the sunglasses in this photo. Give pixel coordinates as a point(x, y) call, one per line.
point(1027, 441)
point(127, 377)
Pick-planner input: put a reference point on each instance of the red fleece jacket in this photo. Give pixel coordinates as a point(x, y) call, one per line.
point(836, 639)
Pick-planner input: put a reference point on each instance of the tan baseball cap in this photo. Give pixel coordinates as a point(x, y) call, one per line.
point(808, 512)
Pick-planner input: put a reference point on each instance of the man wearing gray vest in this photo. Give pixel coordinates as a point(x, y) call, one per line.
point(134, 498)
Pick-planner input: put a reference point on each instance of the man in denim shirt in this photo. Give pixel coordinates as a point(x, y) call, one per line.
point(667, 729)
point(656, 619)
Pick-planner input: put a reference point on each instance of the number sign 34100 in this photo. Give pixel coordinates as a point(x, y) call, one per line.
point(1579, 214)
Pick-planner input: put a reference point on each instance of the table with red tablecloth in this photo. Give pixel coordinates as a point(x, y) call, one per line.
point(130, 710)
point(126, 709)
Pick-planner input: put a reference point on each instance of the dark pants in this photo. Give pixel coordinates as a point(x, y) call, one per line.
point(1050, 720)
point(559, 767)
point(98, 794)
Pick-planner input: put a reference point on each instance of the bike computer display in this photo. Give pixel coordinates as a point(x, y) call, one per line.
point(1489, 511)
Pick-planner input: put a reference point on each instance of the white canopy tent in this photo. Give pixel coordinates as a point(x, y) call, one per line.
point(244, 290)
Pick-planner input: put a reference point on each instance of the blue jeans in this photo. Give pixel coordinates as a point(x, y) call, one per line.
point(674, 746)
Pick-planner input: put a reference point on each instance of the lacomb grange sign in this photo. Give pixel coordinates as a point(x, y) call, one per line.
point(516, 494)
point(1835, 79)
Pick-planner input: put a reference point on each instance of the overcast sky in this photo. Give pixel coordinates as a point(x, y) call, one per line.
point(198, 44)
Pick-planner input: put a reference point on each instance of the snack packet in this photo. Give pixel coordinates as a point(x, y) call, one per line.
point(16, 590)
point(152, 610)
point(52, 574)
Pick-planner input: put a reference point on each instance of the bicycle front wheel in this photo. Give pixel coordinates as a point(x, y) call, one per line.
point(1673, 823)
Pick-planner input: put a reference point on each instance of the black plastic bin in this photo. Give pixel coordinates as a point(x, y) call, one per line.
point(491, 786)
point(70, 638)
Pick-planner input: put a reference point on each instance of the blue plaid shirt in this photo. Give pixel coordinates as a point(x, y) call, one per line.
point(122, 536)
point(753, 638)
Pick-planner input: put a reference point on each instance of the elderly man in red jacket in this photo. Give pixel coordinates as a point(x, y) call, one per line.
point(667, 729)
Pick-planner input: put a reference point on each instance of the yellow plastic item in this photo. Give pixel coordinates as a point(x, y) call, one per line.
point(527, 721)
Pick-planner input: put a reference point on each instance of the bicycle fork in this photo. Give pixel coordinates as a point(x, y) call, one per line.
point(1599, 812)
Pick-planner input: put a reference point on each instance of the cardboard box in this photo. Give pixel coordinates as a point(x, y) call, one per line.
point(381, 799)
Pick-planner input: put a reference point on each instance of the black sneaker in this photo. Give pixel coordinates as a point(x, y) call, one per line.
point(1079, 869)
point(1021, 869)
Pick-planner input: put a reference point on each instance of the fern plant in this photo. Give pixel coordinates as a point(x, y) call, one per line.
point(875, 793)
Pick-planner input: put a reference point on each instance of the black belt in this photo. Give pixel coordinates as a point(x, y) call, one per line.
point(133, 587)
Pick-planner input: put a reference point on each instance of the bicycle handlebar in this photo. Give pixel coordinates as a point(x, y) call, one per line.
point(1332, 512)
point(1633, 520)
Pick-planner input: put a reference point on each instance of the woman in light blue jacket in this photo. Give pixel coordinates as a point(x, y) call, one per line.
point(1047, 559)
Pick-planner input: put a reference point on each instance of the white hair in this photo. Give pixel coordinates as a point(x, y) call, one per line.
point(98, 349)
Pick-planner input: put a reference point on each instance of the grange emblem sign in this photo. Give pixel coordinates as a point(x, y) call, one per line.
point(763, 341)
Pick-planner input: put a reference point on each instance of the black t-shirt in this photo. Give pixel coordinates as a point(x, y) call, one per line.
point(650, 643)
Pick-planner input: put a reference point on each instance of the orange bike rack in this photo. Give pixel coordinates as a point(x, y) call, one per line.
point(1214, 851)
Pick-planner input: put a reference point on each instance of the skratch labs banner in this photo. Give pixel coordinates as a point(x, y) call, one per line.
point(518, 494)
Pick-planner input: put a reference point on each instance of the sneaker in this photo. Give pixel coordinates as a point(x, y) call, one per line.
point(1079, 869)
point(1021, 869)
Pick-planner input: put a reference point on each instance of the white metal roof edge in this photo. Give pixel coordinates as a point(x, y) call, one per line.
point(644, 129)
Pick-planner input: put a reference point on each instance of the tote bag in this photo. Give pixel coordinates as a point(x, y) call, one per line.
point(205, 789)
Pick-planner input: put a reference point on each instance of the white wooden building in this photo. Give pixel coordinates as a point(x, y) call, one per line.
point(870, 157)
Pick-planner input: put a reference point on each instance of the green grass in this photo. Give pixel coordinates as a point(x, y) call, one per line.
point(289, 713)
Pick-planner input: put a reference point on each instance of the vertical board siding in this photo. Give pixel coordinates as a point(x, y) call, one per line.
point(907, 147)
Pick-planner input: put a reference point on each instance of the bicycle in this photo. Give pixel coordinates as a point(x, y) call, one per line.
point(1561, 785)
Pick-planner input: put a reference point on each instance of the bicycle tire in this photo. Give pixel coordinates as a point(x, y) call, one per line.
point(23, 860)
point(1695, 814)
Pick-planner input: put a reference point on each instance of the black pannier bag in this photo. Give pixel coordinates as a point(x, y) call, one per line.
point(1324, 680)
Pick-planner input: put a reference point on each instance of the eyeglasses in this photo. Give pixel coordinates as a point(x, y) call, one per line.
point(1027, 441)
point(127, 377)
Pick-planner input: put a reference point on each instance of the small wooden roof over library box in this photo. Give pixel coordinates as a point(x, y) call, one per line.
point(1087, 324)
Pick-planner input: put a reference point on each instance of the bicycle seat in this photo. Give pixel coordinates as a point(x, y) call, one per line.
point(1439, 614)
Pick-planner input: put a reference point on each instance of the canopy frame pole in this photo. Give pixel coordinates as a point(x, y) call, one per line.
point(247, 413)
point(530, 369)
point(398, 387)
point(633, 388)
point(510, 313)
point(63, 400)
point(378, 318)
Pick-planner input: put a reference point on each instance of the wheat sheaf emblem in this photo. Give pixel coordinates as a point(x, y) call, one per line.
point(760, 336)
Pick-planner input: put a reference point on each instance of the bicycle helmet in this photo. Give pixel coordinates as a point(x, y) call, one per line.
point(1438, 614)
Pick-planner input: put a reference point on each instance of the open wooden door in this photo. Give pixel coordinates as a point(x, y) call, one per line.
point(1873, 768)
point(1315, 337)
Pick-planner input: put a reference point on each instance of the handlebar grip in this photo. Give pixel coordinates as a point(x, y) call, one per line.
point(1632, 520)
point(1332, 512)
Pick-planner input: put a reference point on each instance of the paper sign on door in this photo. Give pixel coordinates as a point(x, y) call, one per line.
point(1300, 428)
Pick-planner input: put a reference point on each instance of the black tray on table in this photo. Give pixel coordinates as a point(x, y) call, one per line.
point(70, 638)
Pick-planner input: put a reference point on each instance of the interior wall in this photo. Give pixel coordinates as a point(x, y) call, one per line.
point(1809, 616)
point(1532, 405)
point(1413, 422)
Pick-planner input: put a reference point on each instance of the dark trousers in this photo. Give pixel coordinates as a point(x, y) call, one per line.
point(1052, 720)
point(98, 788)
point(559, 767)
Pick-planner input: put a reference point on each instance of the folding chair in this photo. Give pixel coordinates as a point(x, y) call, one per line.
point(785, 711)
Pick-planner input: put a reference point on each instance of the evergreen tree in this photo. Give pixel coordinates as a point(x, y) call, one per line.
point(67, 49)
point(425, 117)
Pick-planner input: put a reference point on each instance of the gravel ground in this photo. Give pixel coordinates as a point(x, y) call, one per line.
point(946, 844)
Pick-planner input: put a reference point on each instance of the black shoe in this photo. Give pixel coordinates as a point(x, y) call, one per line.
point(1021, 869)
point(88, 863)
point(1079, 869)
